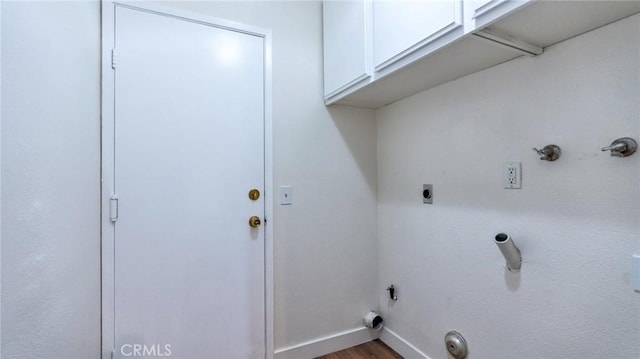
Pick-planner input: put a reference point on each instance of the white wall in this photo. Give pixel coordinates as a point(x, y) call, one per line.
point(0, 182)
point(50, 180)
point(575, 220)
point(325, 250)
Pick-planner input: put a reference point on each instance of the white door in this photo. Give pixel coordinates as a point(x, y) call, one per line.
point(189, 131)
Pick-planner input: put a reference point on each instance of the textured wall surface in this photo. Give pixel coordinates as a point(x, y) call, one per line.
point(50, 179)
point(0, 182)
point(575, 220)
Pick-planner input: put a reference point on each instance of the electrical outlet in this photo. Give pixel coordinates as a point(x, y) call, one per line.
point(512, 175)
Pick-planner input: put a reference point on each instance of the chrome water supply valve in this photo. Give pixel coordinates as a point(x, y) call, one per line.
point(549, 152)
point(622, 147)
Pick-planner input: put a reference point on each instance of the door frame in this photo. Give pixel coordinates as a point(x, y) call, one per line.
point(107, 161)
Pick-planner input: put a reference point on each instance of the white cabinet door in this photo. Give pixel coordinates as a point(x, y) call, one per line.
point(480, 13)
point(401, 27)
point(346, 33)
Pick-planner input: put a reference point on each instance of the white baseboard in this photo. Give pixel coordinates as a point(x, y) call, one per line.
point(326, 345)
point(400, 345)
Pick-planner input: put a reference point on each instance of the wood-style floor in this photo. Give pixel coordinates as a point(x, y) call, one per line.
point(371, 350)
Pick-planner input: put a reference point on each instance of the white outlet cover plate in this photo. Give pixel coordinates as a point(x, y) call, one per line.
point(512, 175)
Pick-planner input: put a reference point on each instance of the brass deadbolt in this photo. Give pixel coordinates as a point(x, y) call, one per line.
point(254, 194)
point(254, 222)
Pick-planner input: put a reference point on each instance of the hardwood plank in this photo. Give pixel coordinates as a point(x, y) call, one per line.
point(371, 350)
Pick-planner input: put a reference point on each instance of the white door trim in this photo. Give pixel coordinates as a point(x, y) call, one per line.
point(107, 165)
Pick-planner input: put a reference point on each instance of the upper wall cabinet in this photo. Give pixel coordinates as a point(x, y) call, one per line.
point(346, 44)
point(380, 51)
point(479, 13)
point(402, 27)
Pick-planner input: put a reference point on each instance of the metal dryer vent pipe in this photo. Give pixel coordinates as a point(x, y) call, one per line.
point(510, 252)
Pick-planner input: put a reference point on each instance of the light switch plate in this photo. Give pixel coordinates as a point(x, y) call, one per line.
point(286, 195)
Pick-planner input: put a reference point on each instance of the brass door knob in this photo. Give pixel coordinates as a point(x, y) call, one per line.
point(254, 194)
point(254, 222)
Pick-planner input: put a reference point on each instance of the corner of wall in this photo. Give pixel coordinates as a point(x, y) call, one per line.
point(329, 344)
point(580, 95)
point(1, 178)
